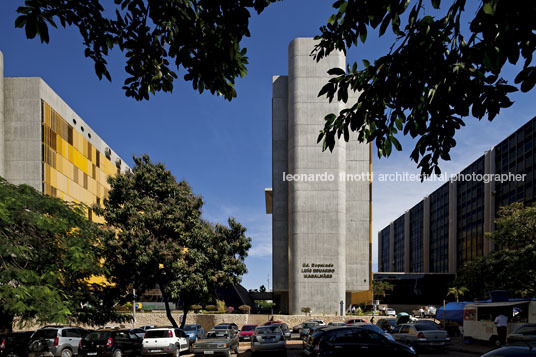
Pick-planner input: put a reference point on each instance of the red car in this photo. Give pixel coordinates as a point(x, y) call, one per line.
point(270, 323)
point(355, 321)
point(246, 332)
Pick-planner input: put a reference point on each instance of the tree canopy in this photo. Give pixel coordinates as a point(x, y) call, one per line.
point(437, 72)
point(162, 240)
point(49, 251)
point(157, 37)
point(511, 266)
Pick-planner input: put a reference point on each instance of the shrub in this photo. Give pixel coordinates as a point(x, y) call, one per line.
point(306, 310)
point(221, 305)
point(211, 308)
point(196, 308)
point(245, 309)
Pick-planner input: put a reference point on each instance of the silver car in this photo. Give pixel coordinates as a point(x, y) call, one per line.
point(421, 335)
point(56, 341)
point(217, 342)
point(268, 338)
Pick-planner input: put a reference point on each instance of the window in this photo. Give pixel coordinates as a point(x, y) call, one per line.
point(71, 333)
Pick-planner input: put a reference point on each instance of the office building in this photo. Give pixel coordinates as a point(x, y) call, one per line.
point(321, 221)
point(447, 228)
point(45, 144)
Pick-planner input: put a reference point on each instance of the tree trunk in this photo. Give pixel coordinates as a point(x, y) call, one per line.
point(168, 310)
point(6, 322)
point(185, 313)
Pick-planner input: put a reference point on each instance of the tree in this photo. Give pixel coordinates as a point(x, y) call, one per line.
point(380, 288)
point(262, 289)
point(49, 251)
point(511, 265)
point(437, 72)
point(457, 292)
point(161, 238)
point(157, 37)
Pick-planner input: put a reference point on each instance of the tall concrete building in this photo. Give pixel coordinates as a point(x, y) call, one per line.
point(320, 201)
point(45, 144)
point(447, 228)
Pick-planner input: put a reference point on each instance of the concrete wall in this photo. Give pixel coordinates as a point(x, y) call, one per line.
point(317, 210)
point(22, 131)
point(2, 168)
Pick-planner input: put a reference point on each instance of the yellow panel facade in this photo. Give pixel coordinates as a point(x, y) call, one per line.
point(73, 169)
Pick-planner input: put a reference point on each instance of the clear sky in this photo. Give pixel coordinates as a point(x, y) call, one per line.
point(223, 149)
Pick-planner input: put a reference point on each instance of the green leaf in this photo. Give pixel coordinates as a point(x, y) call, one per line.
point(336, 71)
point(436, 4)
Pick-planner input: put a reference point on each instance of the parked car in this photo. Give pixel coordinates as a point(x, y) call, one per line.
point(225, 326)
point(110, 343)
point(421, 335)
point(285, 329)
point(147, 327)
point(311, 331)
point(518, 349)
point(524, 333)
point(390, 312)
point(320, 322)
point(246, 332)
point(165, 341)
point(355, 340)
point(138, 332)
point(355, 321)
point(297, 328)
point(336, 323)
point(305, 328)
point(268, 338)
point(56, 341)
point(270, 323)
point(15, 344)
point(217, 342)
point(194, 332)
point(386, 324)
point(377, 329)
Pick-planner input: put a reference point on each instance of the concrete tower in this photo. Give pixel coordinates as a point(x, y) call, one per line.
point(321, 227)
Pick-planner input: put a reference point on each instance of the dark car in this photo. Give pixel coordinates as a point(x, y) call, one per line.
point(524, 333)
point(227, 326)
point(354, 340)
point(15, 344)
point(110, 342)
point(518, 349)
point(386, 324)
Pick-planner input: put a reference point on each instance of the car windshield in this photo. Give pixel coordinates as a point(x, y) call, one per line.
point(46, 333)
point(309, 324)
point(189, 328)
point(426, 327)
point(97, 336)
point(217, 334)
point(526, 330)
point(222, 327)
point(248, 328)
point(268, 329)
point(157, 334)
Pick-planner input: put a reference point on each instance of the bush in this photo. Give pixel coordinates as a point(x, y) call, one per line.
point(245, 309)
point(230, 310)
point(196, 308)
point(211, 308)
point(221, 305)
point(306, 310)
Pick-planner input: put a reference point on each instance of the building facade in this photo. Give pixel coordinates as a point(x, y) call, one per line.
point(45, 144)
point(447, 228)
point(321, 222)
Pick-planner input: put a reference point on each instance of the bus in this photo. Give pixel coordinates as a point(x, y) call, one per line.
point(479, 317)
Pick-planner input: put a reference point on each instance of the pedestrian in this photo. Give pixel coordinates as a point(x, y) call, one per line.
point(421, 312)
point(353, 309)
point(501, 321)
point(372, 320)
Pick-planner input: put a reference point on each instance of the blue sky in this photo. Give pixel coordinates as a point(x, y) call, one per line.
point(223, 149)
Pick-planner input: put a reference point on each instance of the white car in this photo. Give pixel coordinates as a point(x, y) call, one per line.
point(165, 341)
point(390, 312)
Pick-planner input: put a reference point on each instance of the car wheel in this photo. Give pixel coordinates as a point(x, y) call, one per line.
point(66, 353)
point(117, 353)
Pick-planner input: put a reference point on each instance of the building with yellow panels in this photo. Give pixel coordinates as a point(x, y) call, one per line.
point(45, 144)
